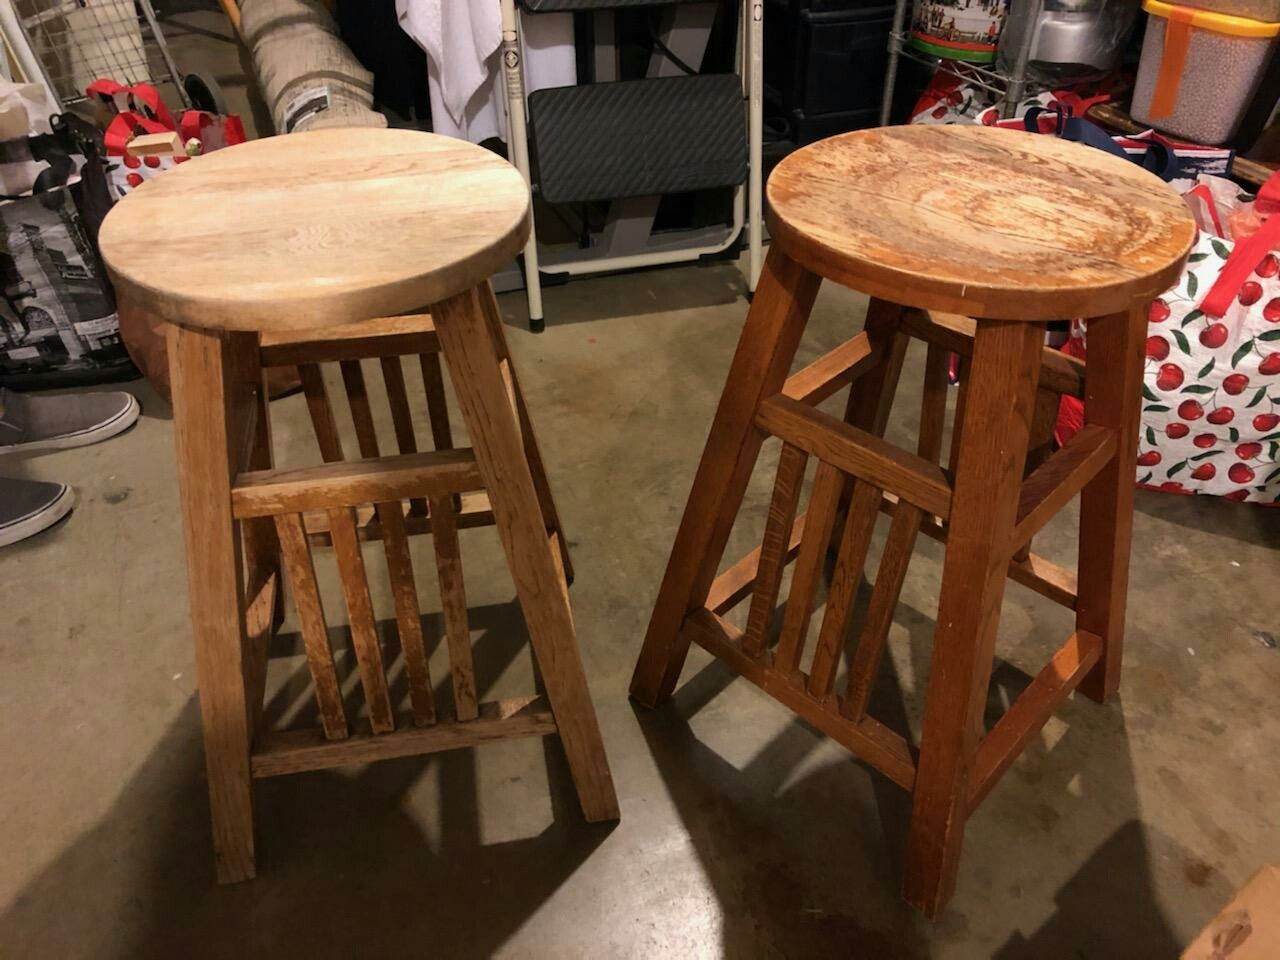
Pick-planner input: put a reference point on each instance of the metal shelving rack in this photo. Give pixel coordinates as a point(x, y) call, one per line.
point(1009, 88)
point(78, 41)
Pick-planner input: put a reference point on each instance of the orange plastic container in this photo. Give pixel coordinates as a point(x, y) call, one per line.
point(1199, 70)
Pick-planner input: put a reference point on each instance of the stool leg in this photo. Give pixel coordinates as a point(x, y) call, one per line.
point(871, 395)
point(1113, 398)
point(471, 354)
point(1006, 364)
point(546, 502)
point(211, 409)
point(770, 336)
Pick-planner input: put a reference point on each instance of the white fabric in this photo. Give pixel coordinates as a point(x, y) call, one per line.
point(462, 40)
point(25, 109)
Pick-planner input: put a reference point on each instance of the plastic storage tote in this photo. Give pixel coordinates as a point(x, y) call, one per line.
point(1199, 70)
point(1268, 10)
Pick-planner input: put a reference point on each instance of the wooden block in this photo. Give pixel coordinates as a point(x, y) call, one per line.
point(1247, 928)
point(155, 145)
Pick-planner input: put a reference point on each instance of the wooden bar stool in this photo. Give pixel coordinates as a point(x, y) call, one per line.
point(285, 251)
point(1002, 226)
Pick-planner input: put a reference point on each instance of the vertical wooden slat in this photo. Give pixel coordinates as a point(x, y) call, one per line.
point(361, 412)
point(828, 484)
point(395, 540)
point(437, 404)
point(773, 550)
point(296, 553)
point(453, 605)
point(864, 508)
point(262, 579)
point(884, 600)
point(364, 635)
point(957, 423)
point(1040, 445)
point(401, 417)
point(398, 399)
point(322, 421)
point(933, 404)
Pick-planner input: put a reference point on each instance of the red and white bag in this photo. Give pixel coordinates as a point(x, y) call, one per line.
point(138, 109)
point(1211, 391)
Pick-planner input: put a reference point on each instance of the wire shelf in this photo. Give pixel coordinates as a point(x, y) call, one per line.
point(985, 77)
point(80, 41)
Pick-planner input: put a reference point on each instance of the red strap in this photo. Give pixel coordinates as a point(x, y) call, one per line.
point(1243, 261)
point(1268, 200)
point(103, 89)
point(1079, 105)
point(192, 122)
point(147, 97)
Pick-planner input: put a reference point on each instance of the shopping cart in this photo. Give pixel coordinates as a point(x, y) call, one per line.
point(80, 41)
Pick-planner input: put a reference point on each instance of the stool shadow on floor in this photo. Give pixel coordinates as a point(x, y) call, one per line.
point(810, 864)
point(351, 862)
point(795, 864)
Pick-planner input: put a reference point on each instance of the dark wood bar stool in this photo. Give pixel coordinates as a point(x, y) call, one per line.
point(310, 249)
point(999, 231)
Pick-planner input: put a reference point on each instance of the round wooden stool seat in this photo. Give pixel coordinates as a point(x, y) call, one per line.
point(316, 229)
point(980, 221)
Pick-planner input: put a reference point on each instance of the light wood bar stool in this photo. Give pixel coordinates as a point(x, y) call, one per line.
point(1012, 229)
point(309, 249)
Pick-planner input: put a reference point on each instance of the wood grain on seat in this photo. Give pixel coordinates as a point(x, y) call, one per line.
point(975, 220)
point(316, 229)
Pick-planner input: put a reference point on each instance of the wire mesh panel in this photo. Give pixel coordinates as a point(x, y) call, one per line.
point(80, 41)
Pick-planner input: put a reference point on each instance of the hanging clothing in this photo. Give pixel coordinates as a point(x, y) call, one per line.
point(462, 40)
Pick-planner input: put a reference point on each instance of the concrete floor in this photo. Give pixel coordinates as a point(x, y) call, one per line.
point(744, 833)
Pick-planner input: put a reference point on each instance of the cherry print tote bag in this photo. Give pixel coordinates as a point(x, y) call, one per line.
point(1211, 389)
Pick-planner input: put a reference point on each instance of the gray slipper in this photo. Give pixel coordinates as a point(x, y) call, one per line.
point(34, 422)
point(29, 506)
